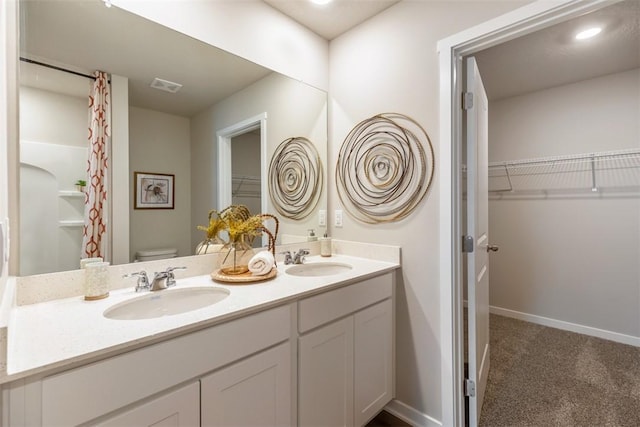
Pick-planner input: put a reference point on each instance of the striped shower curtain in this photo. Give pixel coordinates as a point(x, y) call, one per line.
point(94, 240)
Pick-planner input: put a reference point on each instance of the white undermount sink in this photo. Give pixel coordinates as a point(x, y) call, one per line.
point(165, 303)
point(316, 269)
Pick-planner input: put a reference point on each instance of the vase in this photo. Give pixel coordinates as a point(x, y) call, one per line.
point(235, 256)
point(209, 246)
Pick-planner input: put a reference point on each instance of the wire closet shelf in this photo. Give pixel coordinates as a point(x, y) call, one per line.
point(590, 172)
point(246, 186)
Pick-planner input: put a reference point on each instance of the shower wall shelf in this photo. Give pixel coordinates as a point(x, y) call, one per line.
point(76, 200)
point(70, 193)
point(71, 223)
point(615, 170)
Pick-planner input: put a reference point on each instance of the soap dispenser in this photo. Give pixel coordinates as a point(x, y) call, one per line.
point(325, 245)
point(312, 236)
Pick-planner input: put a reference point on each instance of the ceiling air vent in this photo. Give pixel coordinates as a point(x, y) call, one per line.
point(165, 85)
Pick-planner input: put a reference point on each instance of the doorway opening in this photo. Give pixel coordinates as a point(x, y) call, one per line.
point(452, 50)
point(563, 197)
point(242, 166)
point(246, 178)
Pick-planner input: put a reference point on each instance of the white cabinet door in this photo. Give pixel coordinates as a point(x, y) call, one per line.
point(253, 392)
point(373, 363)
point(325, 376)
point(180, 408)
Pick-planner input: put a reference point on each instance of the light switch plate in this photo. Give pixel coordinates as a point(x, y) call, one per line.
point(338, 218)
point(322, 218)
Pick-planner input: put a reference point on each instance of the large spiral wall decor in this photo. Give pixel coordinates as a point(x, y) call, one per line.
point(295, 178)
point(384, 168)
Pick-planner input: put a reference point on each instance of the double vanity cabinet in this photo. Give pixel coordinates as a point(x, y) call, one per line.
point(323, 357)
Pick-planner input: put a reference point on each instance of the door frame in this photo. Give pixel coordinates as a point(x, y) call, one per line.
point(224, 177)
point(522, 21)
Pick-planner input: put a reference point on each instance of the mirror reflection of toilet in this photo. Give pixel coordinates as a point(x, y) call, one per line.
point(155, 254)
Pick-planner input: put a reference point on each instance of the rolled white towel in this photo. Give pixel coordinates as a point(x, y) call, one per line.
point(261, 263)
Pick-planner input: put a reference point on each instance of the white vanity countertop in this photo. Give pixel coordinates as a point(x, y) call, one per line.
point(66, 332)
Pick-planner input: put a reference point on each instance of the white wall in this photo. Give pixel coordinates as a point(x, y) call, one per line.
point(293, 109)
point(121, 190)
point(54, 118)
point(571, 257)
point(593, 115)
point(160, 143)
point(45, 170)
point(9, 127)
point(8, 153)
point(4, 184)
point(388, 64)
point(53, 156)
point(248, 28)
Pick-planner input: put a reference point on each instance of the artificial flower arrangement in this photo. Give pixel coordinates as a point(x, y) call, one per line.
point(231, 233)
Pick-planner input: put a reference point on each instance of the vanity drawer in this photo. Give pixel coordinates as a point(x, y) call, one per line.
point(82, 394)
point(323, 308)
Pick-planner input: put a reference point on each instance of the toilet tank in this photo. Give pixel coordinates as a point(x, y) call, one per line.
point(154, 254)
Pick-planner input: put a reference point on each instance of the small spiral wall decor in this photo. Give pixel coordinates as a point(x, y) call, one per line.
point(295, 178)
point(383, 169)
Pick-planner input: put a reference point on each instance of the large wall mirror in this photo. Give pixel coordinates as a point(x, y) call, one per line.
point(154, 131)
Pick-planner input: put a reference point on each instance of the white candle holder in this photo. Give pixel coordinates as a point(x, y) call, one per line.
point(96, 284)
point(85, 261)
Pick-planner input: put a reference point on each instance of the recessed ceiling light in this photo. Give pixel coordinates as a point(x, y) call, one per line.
point(588, 33)
point(321, 2)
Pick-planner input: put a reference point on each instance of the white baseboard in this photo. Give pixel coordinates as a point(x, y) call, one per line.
point(410, 415)
point(568, 326)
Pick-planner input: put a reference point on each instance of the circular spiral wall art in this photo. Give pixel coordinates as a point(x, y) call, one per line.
point(383, 169)
point(295, 178)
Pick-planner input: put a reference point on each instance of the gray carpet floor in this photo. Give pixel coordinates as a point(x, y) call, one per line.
point(544, 377)
point(385, 419)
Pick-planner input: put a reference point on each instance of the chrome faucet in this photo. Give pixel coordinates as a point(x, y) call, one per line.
point(161, 280)
point(143, 280)
point(171, 279)
point(164, 279)
point(298, 258)
point(287, 257)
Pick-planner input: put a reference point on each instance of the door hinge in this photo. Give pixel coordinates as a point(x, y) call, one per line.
point(467, 244)
point(469, 388)
point(467, 100)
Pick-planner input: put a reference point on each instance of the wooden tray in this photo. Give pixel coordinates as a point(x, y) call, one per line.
point(242, 278)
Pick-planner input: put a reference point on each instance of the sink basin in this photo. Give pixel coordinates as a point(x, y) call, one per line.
point(316, 269)
point(165, 303)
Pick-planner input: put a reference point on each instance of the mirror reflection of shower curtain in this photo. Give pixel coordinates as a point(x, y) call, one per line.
point(94, 239)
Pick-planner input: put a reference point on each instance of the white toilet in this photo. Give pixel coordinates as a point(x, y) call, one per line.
point(154, 254)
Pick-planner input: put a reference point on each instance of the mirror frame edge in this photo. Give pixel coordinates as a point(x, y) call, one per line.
point(11, 17)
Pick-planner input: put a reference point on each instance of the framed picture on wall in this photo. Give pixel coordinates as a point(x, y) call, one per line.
point(154, 190)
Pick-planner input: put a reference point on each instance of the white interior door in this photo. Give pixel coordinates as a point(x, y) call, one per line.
point(476, 118)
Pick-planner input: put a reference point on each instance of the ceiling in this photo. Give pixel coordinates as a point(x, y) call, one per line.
point(58, 33)
point(333, 19)
point(552, 57)
point(541, 60)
